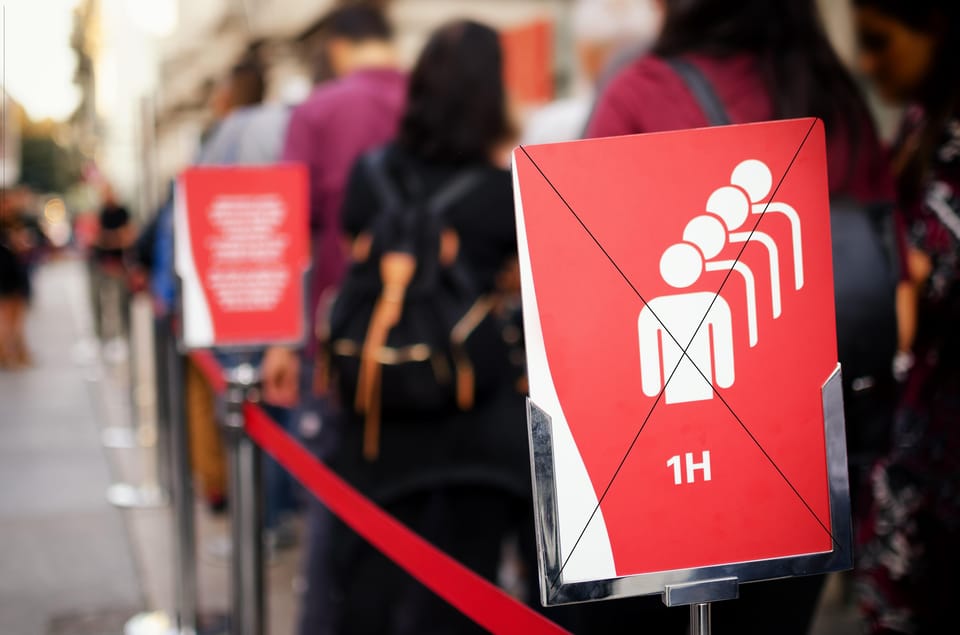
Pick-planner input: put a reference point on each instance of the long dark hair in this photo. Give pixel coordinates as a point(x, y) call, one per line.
point(799, 66)
point(940, 94)
point(456, 109)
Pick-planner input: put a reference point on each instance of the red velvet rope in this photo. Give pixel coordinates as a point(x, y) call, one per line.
point(475, 597)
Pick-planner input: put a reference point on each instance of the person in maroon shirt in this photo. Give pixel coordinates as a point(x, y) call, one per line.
point(341, 119)
point(764, 60)
point(359, 109)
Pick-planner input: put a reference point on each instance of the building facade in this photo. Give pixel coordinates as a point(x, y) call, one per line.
point(152, 65)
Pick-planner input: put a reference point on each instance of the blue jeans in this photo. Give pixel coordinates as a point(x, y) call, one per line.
point(320, 429)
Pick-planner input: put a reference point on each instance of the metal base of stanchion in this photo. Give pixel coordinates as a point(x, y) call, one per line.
point(143, 437)
point(154, 623)
point(119, 438)
point(159, 623)
point(137, 496)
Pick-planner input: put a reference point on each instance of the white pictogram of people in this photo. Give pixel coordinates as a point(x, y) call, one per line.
point(703, 319)
point(711, 344)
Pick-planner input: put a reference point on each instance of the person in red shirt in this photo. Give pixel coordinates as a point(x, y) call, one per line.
point(764, 60)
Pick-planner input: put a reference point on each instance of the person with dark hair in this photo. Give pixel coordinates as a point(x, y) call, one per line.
point(15, 288)
point(454, 475)
point(246, 131)
point(252, 133)
point(116, 234)
point(747, 52)
point(911, 544)
point(247, 85)
point(769, 60)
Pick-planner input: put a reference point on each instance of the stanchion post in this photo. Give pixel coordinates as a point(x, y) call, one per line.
point(162, 336)
point(246, 507)
point(144, 434)
point(185, 535)
point(700, 619)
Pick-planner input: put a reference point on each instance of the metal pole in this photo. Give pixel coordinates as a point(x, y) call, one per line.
point(185, 533)
point(700, 619)
point(174, 458)
point(144, 435)
point(246, 507)
point(162, 338)
point(116, 437)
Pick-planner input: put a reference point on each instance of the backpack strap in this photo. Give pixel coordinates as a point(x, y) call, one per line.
point(387, 192)
point(455, 189)
point(392, 199)
point(698, 84)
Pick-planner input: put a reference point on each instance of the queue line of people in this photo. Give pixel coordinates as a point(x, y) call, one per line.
point(460, 477)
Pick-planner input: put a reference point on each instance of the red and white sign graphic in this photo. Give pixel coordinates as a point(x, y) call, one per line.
point(678, 298)
point(242, 247)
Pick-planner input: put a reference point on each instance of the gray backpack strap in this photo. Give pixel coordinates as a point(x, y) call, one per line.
point(376, 164)
point(702, 91)
point(458, 187)
point(392, 198)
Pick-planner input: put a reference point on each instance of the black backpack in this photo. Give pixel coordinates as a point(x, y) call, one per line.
point(866, 273)
point(411, 336)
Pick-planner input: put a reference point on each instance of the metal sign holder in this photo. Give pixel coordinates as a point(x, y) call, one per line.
point(698, 587)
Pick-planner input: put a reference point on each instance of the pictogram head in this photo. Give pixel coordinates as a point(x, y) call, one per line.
point(754, 178)
point(681, 265)
point(708, 234)
point(731, 204)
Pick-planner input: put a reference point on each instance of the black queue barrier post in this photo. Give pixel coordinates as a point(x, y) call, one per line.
point(174, 468)
point(183, 494)
point(162, 336)
point(246, 505)
point(147, 433)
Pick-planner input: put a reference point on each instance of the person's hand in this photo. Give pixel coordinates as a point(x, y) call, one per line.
point(137, 280)
point(919, 266)
point(280, 371)
point(21, 241)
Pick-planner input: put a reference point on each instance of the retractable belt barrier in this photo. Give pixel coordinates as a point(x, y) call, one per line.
point(478, 599)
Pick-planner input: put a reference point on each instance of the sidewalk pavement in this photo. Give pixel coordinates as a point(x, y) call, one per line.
point(65, 554)
point(71, 563)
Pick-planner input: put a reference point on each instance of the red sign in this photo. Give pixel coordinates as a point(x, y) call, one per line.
point(678, 293)
point(242, 247)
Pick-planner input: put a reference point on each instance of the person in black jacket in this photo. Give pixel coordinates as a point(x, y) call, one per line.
point(454, 477)
point(16, 242)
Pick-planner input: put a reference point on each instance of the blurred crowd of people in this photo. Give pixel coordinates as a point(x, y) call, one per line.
point(454, 467)
point(21, 243)
point(34, 227)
